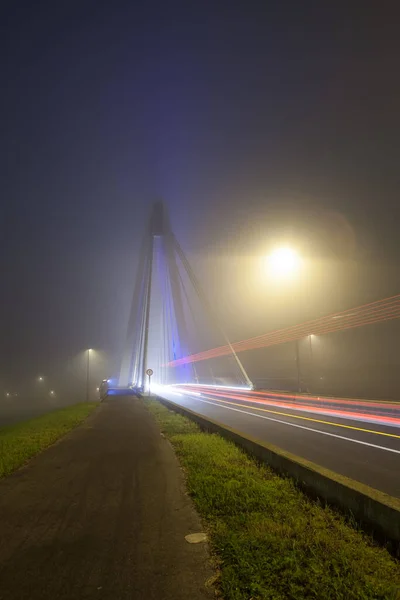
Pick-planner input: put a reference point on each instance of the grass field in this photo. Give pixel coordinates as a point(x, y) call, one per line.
point(269, 540)
point(20, 442)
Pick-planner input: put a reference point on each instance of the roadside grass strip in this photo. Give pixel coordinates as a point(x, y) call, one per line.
point(20, 442)
point(269, 540)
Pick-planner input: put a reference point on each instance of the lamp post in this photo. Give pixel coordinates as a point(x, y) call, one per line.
point(311, 373)
point(284, 263)
point(88, 375)
point(311, 359)
point(298, 365)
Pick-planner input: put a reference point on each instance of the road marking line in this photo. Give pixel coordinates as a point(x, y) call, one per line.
point(341, 437)
point(275, 412)
point(307, 408)
point(294, 395)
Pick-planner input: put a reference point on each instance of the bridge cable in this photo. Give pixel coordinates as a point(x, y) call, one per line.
point(203, 299)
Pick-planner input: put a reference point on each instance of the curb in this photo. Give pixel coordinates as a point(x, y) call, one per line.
point(378, 512)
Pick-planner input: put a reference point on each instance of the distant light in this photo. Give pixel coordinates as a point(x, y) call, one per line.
point(283, 262)
point(90, 349)
point(97, 389)
point(52, 392)
point(8, 394)
point(40, 378)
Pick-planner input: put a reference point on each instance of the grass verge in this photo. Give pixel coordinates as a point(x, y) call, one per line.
point(20, 442)
point(269, 539)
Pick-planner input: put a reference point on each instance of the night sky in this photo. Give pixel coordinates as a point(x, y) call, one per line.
point(253, 121)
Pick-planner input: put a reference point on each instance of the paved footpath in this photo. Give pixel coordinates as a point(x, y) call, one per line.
point(102, 514)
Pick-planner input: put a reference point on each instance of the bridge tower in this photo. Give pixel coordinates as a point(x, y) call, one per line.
point(157, 330)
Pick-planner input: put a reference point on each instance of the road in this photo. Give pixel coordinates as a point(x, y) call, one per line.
point(358, 439)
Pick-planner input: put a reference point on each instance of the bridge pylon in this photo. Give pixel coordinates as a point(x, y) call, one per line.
point(157, 331)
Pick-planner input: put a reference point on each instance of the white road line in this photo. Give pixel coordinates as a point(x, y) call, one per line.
point(340, 437)
point(304, 408)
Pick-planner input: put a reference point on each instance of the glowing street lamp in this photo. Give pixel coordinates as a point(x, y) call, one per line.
point(52, 392)
point(40, 378)
point(284, 262)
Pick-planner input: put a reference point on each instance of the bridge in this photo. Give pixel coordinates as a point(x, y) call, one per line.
point(170, 326)
point(171, 317)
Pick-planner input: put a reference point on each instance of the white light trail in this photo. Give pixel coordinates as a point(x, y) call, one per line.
point(216, 387)
point(335, 435)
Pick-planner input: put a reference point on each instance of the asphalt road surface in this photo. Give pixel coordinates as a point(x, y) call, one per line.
point(102, 514)
point(358, 440)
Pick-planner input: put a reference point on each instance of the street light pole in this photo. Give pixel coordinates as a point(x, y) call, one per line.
point(311, 360)
point(88, 375)
point(285, 263)
point(298, 365)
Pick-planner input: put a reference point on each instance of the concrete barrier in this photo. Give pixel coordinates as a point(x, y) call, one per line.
point(377, 512)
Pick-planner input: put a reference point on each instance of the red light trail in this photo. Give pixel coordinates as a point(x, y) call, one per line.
point(367, 314)
point(384, 412)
